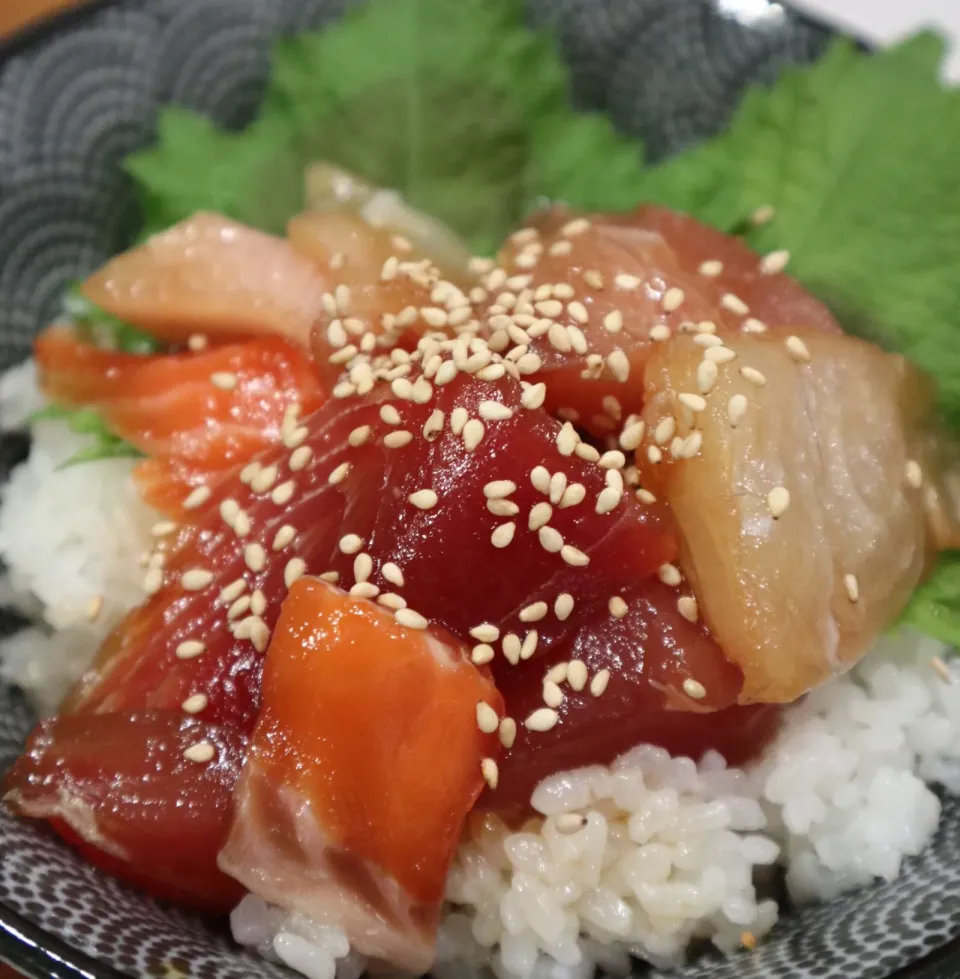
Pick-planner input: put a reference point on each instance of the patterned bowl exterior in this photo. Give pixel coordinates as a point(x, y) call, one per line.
point(74, 99)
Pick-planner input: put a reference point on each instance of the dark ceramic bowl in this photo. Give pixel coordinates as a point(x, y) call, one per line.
point(79, 93)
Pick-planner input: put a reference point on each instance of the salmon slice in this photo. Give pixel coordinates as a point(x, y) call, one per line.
point(212, 276)
point(194, 414)
point(174, 812)
point(606, 289)
point(363, 767)
point(802, 498)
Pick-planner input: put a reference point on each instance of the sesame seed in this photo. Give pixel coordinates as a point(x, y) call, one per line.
point(645, 496)
point(753, 325)
point(392, 601)
point(573, 495)
point(283, 493)
point(563, 606)
point(599, 683)
point(711, 269)
point(402, 388)
point(529, 645)
point(490, 772)
point(503, 508)
point(692, 401)
point(778, 500)
point(197, 342)
point(534, 612)
point(626, 282)
point(198, 497)
point(797, 349)
point(550, 539)
point(487, 719)
point(499, 488)
point(707, 340)
point(632, 436)
point(735, 304)
point(719, 355)
point(575, 227)
point(223, 380)
point(660, 333)
point(552, 694)
point(494, 411)
point(189, 649)
point(673, 299)
point(558, 486)
point(550, 308)
point(612, 459)
point(558, 338)
point(707, 373)
point(390, 415)
point(664, 430)
point(593, 278)
point(93, 608)
point(344, 389)
point(433, 316)
point(482, 653)
point(163, 528)
point(617, 607)
point(397, 439)
point(422, 391)
point(608, 499)
point(511, 646)
point(578, 312)
point(619, 365)
point(753, 376)
point(393, 574)
point(567, 439)
point(263, 479)
point(774, 262)
point(577, 674)
point(256, 631)
point(736, 409)
point(941, 669)
point(330, 577)
point(196, 579)
point(503, 535)
point(339, 474)
point(694, 688)
point(529, 363)
point(852, 587)
point(543, 719)
point(613, 321)
point(533, 395)
point(342, 297)
point(350, 544)
point(195, 704)
point(654, 455)
point(540, 478)
point(485, 632)
point(569, 822)
point(412, 620)
point(425, 499)
point(914, 474)
point(200, 752)
point(572, 556)
point(763, 215)
point(447, 371)
point(687, 607)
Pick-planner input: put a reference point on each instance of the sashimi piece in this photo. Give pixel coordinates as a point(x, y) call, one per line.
point(363, 767)
point(648, 677)
point(605, 290)
point(799, 480)
point(119, 788)
point(194, 414)
point(213, 276)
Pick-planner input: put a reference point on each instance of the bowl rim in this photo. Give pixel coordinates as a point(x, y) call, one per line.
point(36, 953)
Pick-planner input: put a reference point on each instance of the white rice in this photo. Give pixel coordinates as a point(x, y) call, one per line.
point(669, 851)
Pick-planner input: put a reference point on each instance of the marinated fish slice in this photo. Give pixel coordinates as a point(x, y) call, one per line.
point(363, 767)
point(212, 276)
point(139, 796)
point(606, 290)
point(644, 675)
point(797, 487)
point(206, 411)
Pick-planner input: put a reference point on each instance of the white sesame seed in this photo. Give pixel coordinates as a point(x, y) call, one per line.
point(485, 632)
point(558, 486)
point(575, 227)
point(446, 372)
point(613, 321)
point(577, 674)
point(852, 587)
point(778, 500)
point(529, 363)
point(617, 607)
point(573, 556)
point(753, 376)
point(499, 488)
point(390, 415)
point(735, 304)
point(694, 688)
point(763, 215)
point(534, 612)
point(197, 342)
point(196, 579)
point(255, 557)
point(339, 474)
point(490, 772)
point(719, 355)
point(711, 269)
point(578, 312)
point(632, 436)
point(412, 620)
point(533, 395)
point(687, 607)
point(342, 297)
point(774, 262)
point(645, 496)
point(402, 388)
point(283, 493)
point(540, 478)
point(344, 389)
point(195, 703)
point(503, 508)
point(508, 732)
point(487, 719)
point(707, 340)
point(263, 479)
point(543, 719)
point(573, 495)
point(201, 752)
point(482, 653)
point(189, 649)
point(567, 439)
point(511, 646)
point(198, 497)
point(797, 349)
point(550, 308)
point(163, 528)
point(550, 539)
point(660, 333)
point(692, 401)
point(612, 459)
point(392, 601)
point(552, 694)
point(619, 365)
point(626, 282)
point(664, 430)
point(914, 474)
point(529, 645)
point(350, 544)
point(598, 684)
point(422, 391)
point(503, 535)
point(753, 325)
point(736, 409)
point(494, 411)
point(608, 499)
point(707, 373)
point(563, 606)
point(330, 577)
point(673, 299)
point(654, 455)
point(424, 499)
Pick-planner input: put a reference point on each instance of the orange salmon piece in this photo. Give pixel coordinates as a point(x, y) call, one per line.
point(364, 764)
